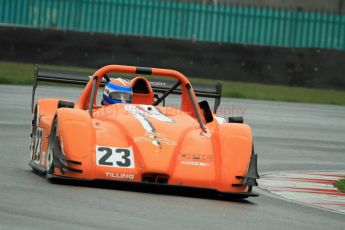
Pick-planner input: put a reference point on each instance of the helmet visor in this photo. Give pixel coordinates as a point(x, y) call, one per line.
point(121, 96)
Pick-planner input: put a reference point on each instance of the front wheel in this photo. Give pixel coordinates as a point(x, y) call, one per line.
point(55, 156)
point(252, 174)
point(50, 153)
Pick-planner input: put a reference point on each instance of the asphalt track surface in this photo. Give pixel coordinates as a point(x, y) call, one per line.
point(288, 136)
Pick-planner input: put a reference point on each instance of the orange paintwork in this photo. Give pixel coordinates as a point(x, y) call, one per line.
point(162, 140)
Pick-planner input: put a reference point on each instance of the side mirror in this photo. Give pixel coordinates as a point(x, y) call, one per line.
point(206, 111)
point(235, 119)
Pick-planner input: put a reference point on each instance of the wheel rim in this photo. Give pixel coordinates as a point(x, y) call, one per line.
point(50, 153)
point(49, 162)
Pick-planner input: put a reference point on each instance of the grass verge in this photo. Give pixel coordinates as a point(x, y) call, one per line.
point(20, 73)
point(340, 185)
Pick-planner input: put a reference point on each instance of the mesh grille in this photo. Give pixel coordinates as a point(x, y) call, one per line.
point(155, 178)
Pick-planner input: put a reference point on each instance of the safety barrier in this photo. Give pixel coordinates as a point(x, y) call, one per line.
point(182, 20)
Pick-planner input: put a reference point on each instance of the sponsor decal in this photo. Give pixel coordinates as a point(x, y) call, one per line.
point(196, 156)
point(155, 137)
point(127, 176)
point(157, 83)
point(195, 163)
point(115, 157)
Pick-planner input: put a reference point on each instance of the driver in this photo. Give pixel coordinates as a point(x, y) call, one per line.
point(117, 90)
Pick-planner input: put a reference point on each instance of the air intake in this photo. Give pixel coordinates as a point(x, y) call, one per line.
point(155, 178)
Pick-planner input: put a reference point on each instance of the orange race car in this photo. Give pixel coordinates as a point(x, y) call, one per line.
point(129, 136)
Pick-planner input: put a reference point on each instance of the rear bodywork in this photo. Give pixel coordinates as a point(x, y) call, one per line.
point(143, 142)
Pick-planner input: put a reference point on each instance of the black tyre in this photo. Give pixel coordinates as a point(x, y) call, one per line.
point(51, 145)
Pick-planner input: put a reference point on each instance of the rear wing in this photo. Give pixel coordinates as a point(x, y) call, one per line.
point(159, 86)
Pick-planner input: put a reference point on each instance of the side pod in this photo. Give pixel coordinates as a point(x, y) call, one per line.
point(77, 139)
point(234, 142)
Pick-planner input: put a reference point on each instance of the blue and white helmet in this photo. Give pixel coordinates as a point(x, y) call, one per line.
point(117, 91)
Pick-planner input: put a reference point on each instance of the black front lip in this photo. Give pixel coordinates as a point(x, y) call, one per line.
point(149, 187)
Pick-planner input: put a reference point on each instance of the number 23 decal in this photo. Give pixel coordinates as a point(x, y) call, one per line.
point(115, 157)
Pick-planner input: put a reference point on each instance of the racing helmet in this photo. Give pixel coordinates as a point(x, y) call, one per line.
point(117, 91)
